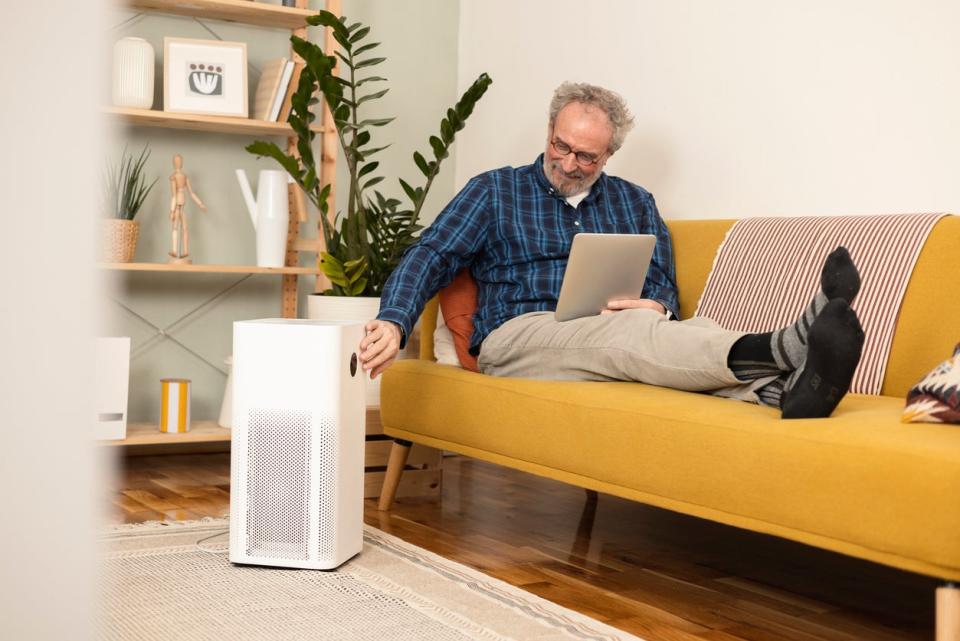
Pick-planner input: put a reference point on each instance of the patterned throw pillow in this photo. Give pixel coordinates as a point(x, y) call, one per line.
point(936, 399)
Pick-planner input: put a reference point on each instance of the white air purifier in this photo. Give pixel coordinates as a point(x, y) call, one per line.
point(297, 457)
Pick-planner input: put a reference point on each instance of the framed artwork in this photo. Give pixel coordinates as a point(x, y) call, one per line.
point(205, 77)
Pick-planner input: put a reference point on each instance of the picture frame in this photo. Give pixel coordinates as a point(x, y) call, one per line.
point(205, 77)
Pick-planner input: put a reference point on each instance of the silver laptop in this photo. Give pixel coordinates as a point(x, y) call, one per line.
point(603, 267)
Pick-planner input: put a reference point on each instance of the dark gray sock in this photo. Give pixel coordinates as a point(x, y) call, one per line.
point(838, 279)
point(757, 355)
point(771, 394)
point(833, 353)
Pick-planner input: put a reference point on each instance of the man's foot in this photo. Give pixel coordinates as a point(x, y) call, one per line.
point(835, 342)
point(758, 355)
point(839, 277)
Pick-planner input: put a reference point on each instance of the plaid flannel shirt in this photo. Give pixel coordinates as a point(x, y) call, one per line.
point(514, 232)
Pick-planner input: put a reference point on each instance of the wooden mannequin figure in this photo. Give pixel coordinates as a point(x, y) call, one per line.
point(179, 188)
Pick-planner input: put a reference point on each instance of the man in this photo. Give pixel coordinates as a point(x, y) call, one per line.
point(514, 227)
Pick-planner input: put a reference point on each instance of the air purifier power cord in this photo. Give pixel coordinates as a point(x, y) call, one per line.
point(207, 538)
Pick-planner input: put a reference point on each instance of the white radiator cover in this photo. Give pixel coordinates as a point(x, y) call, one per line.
point(297, 457)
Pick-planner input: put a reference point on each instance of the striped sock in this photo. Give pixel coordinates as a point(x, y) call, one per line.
point(754, 356)
point(836, 343)
point(788, 346)
point(771, 394)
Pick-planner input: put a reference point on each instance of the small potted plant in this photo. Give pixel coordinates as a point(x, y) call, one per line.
point(125, 189)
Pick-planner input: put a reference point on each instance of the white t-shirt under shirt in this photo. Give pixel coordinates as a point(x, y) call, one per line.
point(577, 198)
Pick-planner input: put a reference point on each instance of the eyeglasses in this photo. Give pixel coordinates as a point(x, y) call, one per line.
point(584, 159)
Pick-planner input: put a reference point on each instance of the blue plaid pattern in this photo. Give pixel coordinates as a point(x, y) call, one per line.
point(514, 232)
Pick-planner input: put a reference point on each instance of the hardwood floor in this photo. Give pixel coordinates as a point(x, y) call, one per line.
point(656, 574)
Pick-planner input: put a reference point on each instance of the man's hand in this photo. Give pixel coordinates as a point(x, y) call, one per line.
point(633, 303)
point(379, 347)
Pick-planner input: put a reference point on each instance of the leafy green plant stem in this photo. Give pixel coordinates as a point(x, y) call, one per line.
point(366, 242)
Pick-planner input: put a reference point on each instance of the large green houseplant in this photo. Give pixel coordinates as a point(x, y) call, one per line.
point(364, 243)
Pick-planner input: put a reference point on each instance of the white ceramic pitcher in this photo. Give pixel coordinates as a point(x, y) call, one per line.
point(270, 214)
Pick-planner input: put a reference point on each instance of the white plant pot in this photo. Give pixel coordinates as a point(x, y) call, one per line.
point(347, 308)
point(133, 60)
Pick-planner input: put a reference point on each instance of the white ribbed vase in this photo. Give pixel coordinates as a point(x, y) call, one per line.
point(133, 73)
point(361, 309)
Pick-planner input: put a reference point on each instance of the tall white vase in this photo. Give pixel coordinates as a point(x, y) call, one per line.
point(347, 308)
point(133, 60)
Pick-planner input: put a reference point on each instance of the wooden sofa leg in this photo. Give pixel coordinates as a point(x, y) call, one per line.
point(948, 612)
point(398, 458)
point(581, 544)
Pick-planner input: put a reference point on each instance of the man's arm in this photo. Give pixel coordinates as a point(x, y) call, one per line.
point(634, 303)
point(661, 283)
point(444, 248)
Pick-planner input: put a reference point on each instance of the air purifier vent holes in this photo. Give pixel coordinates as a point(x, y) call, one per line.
point(328, 474)
point(278, 501)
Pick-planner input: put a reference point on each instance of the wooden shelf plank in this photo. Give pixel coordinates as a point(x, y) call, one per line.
point(207, 269)
point(200, 432)
point(198, 122)
point(150, 434)
point(255, 13)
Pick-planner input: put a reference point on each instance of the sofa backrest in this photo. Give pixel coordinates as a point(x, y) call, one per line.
point(926, 332)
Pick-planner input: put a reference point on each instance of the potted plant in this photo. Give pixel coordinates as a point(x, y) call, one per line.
point(364, 243)
point(125, 188)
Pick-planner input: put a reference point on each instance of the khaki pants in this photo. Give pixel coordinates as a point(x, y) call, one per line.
point(631, 345)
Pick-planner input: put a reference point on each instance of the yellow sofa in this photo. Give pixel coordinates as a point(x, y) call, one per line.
point(861, 482)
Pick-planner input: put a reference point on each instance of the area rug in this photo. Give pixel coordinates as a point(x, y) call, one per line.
point(174, 581)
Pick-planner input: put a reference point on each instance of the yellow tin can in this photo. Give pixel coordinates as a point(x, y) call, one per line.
point(175, 405)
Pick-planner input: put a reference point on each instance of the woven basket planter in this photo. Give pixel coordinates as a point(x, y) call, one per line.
point(118, 240)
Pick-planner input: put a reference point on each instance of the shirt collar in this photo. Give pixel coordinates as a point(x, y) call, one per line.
point(596, 189)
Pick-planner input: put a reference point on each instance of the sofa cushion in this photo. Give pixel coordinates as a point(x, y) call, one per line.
point(458, 303)
point(860, 483)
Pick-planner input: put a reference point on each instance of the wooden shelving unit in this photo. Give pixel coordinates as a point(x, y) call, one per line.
point(147, 436)
point(196, 122)
point(210, 432)
point(259, 14)
point(208, 269)
point(150, 434)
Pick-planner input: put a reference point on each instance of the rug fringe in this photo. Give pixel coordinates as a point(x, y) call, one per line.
point(165, 525)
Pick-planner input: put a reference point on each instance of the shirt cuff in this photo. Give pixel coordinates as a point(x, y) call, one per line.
point(671, 315)
point(397, 319)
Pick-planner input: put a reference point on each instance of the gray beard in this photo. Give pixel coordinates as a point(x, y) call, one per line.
point(569, 186)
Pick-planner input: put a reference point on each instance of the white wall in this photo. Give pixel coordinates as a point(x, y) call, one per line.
point(744, 107)
point(51, 68)
point(419, 40)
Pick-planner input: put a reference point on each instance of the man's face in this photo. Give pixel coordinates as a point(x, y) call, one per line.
point(586, 131)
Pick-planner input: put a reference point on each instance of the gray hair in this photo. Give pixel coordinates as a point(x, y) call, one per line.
point(609, 102)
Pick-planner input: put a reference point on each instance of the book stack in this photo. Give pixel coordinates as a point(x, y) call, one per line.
point(278, 81)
